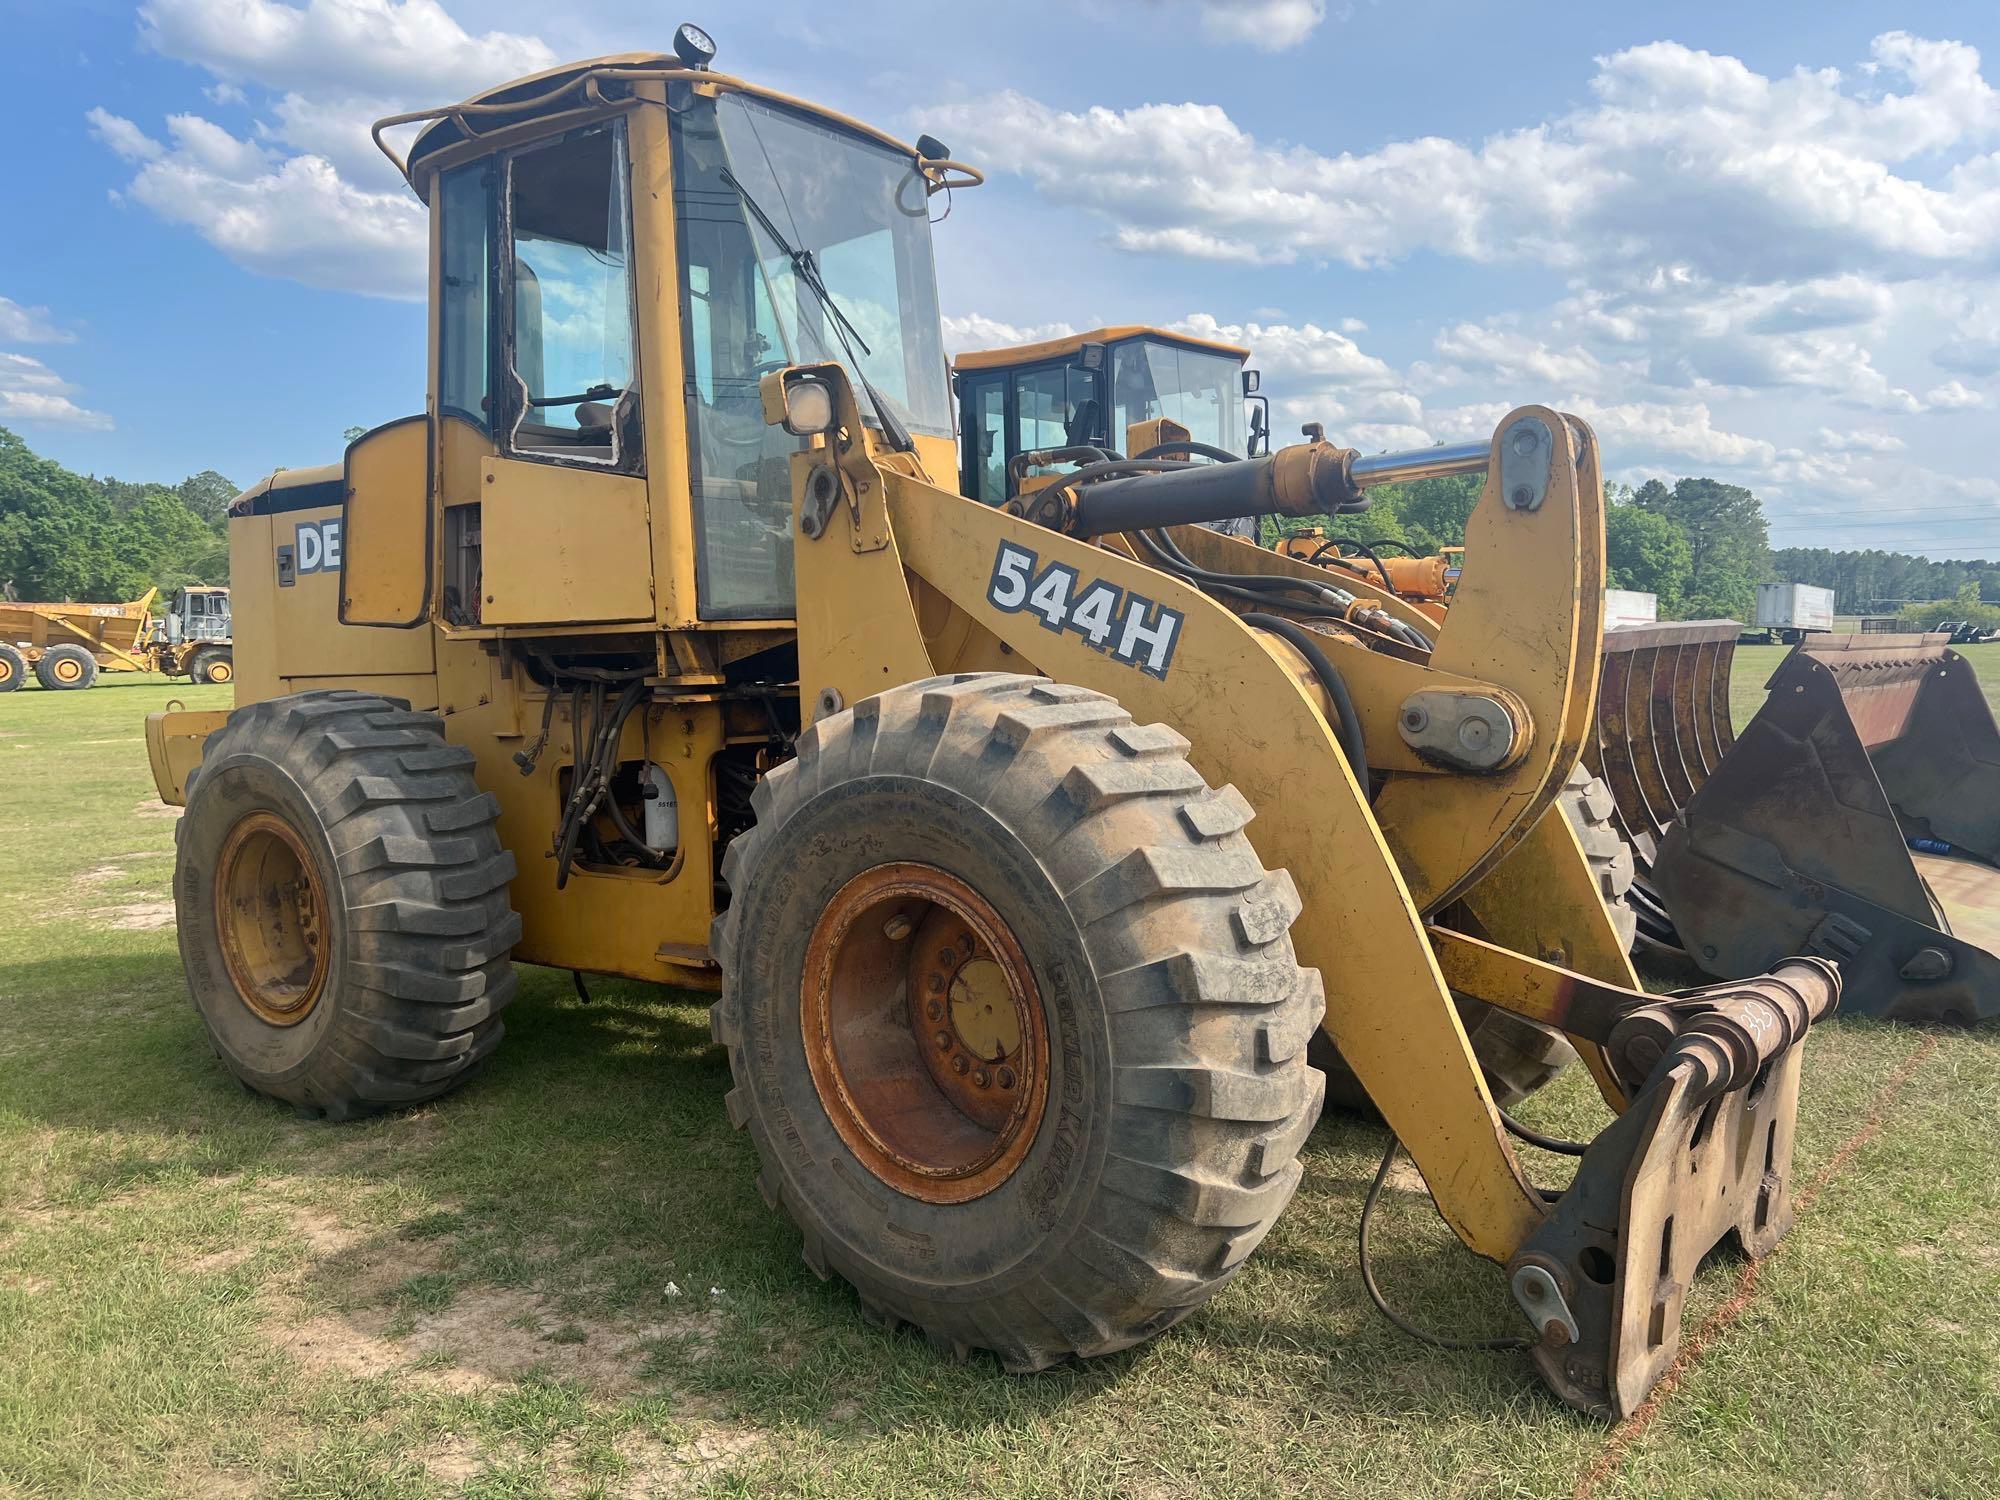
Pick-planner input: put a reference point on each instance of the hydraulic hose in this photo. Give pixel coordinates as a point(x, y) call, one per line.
point(1367, 1260)
point(1367, 550)
point(1204, 450)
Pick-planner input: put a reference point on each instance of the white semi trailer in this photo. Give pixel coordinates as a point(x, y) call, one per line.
point(1790, 612)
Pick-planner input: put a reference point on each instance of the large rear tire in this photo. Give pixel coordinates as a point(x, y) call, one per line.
point(212, 666)
point(65, 668)
point(1013, 1016)
point(341, 899)
point(13, 668)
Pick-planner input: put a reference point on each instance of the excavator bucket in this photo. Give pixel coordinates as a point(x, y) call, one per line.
point(1857, 817)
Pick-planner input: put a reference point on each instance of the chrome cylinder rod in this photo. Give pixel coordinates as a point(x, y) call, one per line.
point(1421, 463)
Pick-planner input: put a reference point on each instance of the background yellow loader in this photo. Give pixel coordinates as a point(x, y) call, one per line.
point(1027, 851)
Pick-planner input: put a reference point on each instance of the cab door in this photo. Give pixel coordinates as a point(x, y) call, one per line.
point(541, 442)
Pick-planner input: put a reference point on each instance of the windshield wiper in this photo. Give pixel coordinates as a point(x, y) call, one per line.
point(806, 268)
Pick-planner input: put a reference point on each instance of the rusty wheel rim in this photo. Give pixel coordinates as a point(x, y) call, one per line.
point(270, 912)
point(66, 669)
point(924, 1032)
point(6, 670)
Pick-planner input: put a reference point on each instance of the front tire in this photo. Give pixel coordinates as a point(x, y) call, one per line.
point(341, 899)
point(1135, 985)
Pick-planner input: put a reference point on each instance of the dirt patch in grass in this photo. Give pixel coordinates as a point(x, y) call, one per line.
point(488, 1338)
point(481, 1339)
point(454, 1460)
point(112, 869)
point(153, 807)
point(141, 916)
point(220, 1261)
point(653, 1467)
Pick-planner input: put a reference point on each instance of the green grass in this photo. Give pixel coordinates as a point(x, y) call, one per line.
point(562, 1281)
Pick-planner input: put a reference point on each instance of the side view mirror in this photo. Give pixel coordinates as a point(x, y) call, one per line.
point(1259, 442)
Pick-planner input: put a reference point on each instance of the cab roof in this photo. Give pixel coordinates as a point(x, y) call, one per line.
point(1029, 354)
point(566, 88)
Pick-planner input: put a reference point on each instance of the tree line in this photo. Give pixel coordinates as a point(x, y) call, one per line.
point(65, 535)
point(1700, 545)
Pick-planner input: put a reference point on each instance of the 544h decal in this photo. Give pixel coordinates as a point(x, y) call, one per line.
point(1129, 627)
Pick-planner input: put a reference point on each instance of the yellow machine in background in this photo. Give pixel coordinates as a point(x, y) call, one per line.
point(66, 645)
point(1028, 845)
point(1027, 410)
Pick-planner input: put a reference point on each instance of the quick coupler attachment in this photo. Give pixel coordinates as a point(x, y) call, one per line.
point(1704, 1148)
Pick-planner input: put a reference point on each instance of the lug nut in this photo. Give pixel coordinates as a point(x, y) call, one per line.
point(934, 1009)
point(943, 1039)
point(1006, 1077)
point(959, 1064)
point(982, 1078)
point(896, 928)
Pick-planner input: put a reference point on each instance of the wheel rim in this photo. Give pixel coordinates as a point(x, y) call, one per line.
point(220, 672)
point(6, 671)
point(924, 1032)
point(270, 907)
point(66, 669)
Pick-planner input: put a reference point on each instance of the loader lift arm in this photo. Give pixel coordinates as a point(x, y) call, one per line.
point(1522, 635)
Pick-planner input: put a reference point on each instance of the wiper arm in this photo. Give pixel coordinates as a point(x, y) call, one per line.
point(807, 270)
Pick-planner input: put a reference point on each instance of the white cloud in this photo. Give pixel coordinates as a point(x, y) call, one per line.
point(384, 48)
point(34, 395)
point(307, 196)
point(1294, 354)
point(1683, 159)
point(293, 217)
point(977, 331)
point(1955, 395)
point(1970, 354)
point(122, 136)
point(1269, 25)
point(1858, 441)
point(30, 325)
point(1506, 354)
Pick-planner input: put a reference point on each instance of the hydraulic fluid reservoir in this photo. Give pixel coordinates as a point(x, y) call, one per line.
point(663, 814)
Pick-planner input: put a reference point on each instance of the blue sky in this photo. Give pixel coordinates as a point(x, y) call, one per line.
point(1752, 241)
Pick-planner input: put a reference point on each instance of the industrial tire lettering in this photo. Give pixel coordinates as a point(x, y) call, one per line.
point(1129, 627)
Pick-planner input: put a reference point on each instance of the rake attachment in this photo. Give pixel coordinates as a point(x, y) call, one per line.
point(1857, 817)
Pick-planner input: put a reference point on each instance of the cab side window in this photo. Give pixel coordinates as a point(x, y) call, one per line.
point(464, 331)
point(985, 424)
point(572, 372)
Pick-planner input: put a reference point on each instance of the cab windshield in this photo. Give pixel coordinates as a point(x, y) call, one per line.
point(769, 202)
point(1199, 390)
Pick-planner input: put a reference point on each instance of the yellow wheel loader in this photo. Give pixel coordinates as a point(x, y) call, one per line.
point(1025, 851)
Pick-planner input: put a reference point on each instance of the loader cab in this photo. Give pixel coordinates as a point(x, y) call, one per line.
point(1089, 390)
point(620, 251)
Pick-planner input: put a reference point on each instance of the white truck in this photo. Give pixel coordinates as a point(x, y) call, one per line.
point(1624, 607)
point(1789, 612)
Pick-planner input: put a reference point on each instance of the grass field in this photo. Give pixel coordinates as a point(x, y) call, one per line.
point(562, 1281)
